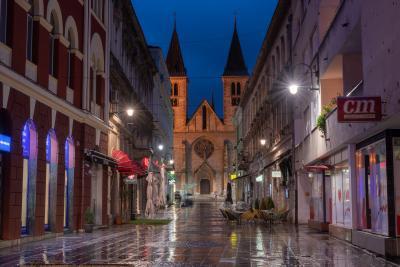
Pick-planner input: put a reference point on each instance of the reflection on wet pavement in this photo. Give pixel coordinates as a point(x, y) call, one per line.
point(197, 236)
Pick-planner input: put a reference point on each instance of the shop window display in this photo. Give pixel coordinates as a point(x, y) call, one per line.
point(372, 205)
point(341, 196)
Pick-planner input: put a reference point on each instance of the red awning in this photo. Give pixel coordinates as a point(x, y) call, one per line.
point(318, 168)
point(126, 166)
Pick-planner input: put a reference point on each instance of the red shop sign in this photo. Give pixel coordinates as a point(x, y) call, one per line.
point(359, 109)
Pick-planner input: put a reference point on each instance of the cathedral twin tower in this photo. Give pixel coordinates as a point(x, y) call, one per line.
point(234, 79)
point(203, 143)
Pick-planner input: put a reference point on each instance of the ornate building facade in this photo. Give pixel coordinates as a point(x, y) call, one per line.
point(203, 143)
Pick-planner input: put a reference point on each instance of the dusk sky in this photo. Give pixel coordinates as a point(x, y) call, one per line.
point(205, 30)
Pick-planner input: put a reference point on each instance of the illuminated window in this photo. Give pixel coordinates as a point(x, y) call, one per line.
point(51, 177)
point(29, 154)
point(69, 180)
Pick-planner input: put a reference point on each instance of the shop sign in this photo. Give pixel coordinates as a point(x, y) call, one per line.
point(5, 143)
point(259, 178)
point(276, 174)
point(233, 176)
point(359, 109)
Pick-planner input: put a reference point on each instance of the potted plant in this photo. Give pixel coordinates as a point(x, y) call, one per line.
point(89, 221)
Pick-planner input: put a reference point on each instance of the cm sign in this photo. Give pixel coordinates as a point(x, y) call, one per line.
point(359, 109)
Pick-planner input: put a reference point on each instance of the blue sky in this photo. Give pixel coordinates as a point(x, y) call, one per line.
point(205, 29)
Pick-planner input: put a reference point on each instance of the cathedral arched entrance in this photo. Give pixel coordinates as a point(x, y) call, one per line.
point(205, 187)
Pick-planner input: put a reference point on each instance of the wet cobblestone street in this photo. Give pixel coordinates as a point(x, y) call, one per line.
point(197, 236)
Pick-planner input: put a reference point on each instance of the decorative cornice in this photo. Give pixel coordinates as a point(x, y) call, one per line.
point(44, 23)
point(77, 53)
point(43, 95)
point(24, 4)
point(62, 40)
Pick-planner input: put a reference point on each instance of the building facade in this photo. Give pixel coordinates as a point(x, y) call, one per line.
point(348, 172)
point(132, 86)
point(264, 121)
point(203, 143)
point(341, 160)
point(54, 97)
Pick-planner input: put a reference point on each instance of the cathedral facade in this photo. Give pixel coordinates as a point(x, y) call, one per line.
point(204, 143)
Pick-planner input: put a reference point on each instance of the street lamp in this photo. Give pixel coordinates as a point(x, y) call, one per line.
point(160, 147)
point(128, 111)
point(263, 142)
point(171, 161)
point(293, 89)
point(172, 172)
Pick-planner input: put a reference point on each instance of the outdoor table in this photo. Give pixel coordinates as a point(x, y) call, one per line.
point(238, 214)
point(268, 216)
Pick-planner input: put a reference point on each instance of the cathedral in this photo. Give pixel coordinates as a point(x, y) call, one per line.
point(204, 143)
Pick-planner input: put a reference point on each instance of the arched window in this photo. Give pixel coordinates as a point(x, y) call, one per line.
point(29, 154)
point(52, 48)
point(175, 89)
point(204, 117)
point(233, 91)
point(238, 89)
point(51, 180)
point(3, 20)
point(70, 57)
point(69, 181)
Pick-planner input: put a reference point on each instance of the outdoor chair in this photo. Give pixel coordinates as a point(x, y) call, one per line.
point(232, 216)
point(223, 213)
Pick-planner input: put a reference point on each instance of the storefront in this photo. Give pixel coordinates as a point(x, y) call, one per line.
point(5, 147)
point(378, 190)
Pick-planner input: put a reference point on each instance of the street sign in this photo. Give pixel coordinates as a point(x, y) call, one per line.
point(5, 143)
point(359, 109)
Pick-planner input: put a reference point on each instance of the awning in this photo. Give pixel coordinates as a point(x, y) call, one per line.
point(100, 158)
point(126, 166)
point(318, 168)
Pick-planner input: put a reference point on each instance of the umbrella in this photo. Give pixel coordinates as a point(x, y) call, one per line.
point(229, 193)
point(155, 191)
point(162, 186)
point(149, 204)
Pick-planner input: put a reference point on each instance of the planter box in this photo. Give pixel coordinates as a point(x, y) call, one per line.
point(340, 232)
point(320, 226)
point(386, 246)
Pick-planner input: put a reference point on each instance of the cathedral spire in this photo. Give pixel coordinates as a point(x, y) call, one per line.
point(175, 64)
point(235, 65)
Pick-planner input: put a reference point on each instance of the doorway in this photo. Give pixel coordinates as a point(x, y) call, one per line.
point(204, 186)
point(96, 193)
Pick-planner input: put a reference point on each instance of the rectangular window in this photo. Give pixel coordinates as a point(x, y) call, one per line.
point(51, 55)
point(69, 69)
point(3, 21)
point(29, 38)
